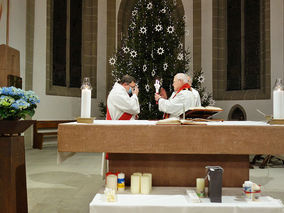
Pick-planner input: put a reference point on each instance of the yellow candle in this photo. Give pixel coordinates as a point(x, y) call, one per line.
point(200, 187)
point(145, 184)
point(135, 184)
point(150, 175)
point(137, 173)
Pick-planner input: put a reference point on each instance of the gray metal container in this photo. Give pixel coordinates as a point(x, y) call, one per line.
point(215, 174)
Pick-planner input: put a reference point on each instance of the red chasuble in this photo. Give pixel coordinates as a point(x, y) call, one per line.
point(125, 116)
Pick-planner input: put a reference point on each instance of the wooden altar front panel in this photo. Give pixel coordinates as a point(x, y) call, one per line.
point(181, 169)
point(175, 154)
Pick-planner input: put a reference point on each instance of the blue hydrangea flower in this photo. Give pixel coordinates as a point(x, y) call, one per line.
point(20, 104)
point(16, 103)
point(6, 101)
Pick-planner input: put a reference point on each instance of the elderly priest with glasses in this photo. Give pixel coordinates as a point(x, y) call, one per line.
point(181, 99)
point(121, 105)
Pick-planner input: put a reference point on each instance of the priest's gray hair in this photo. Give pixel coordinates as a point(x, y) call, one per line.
point(183, 77)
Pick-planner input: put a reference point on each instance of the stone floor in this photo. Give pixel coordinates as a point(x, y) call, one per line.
point(70, 186)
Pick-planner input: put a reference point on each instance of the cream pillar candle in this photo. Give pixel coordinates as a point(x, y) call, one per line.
point(112, 182)
point(278, 104)
point(86, 103)
point(150, 175)
point(145, 184)
point(200, 187)
point(135, 184)
point(137, 173)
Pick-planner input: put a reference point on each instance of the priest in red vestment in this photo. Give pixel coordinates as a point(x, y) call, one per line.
point(181, 99)
point(120, 105)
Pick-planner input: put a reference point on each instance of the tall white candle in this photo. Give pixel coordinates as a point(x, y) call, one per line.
point(86, 103)
point(112, 182)
point(135, 184)
point(278, 104)
point(145, 184)
point(150, 175)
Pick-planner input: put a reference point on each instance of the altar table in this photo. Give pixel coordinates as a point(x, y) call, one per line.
point(175, 154)
point(175, 200)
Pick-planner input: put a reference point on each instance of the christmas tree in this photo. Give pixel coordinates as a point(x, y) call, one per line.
point(197, 81)
point(153, 49)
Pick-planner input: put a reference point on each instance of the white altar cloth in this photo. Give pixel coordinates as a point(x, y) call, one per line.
point(146, 122)
point(174, 200)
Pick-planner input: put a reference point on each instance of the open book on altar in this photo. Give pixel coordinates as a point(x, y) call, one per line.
point(178, 122)
point(202, 112)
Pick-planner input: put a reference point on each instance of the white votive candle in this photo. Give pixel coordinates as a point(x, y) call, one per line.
point(145, 184)
point(200, 187)
point(278, 104)
point(135, 184)
point(86, 103)
point(112, 182)
point(150, 175)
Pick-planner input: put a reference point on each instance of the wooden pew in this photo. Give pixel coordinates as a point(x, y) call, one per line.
point(45, 128)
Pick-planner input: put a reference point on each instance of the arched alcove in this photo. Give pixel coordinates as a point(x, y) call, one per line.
point(237, 113)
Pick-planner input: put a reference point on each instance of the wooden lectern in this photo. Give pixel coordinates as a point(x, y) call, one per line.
point(13, 190)
point(9, 66)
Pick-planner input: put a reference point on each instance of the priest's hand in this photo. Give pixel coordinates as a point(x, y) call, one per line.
point(157, 97)
point(135, 90)
point(163, 93)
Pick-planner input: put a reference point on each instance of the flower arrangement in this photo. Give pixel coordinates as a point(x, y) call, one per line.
point(16, 103)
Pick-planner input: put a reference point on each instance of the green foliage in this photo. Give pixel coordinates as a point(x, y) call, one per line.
point(153, 49)
point(16, 103)
point(103, 109)
point(197, 80)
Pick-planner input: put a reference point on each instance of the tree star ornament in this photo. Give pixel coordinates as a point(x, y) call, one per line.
point(143, 30)
point(112, 61)
point(132, 25)
point(147, 88)
point(163, 10)
point(133, 53)
point(170, 29)
point(134, 12)
point(158, 27)
point(165, 66)
point(144, 68)
point(201, 79)
point(160, 51)
point(125, 49)
point(180, 56)
point(149, 6)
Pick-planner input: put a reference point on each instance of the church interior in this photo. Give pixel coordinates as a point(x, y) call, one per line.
point(49, 47)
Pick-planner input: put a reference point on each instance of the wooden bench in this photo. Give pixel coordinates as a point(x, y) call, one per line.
point(45, 128)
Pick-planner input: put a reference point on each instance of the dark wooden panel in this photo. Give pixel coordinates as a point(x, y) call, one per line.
point(13, 191)
point(181, 170)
